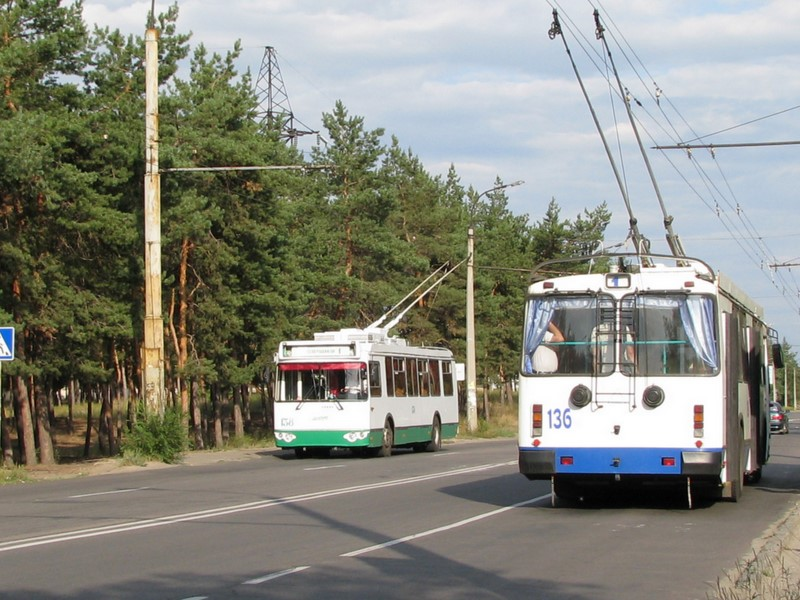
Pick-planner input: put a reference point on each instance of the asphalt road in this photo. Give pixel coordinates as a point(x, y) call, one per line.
point(461, 523)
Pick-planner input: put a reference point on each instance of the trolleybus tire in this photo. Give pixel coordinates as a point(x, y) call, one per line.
point(302, 452)
point(388, 439)
point(737, 470)
point(753, 477)
point(436, 436)
point(564, 493)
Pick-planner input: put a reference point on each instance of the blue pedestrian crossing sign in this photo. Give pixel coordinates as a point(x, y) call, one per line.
point(6, 343)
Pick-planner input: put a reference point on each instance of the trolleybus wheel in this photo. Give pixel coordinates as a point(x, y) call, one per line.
point(388, 439)
point(737, 470)
point(436, 436)
point(753, 477)
point(435, 443)
point(564, 493)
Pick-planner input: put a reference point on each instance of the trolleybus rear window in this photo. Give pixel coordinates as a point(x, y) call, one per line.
point(644, 334)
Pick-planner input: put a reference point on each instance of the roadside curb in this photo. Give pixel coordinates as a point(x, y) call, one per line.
point(772, 568)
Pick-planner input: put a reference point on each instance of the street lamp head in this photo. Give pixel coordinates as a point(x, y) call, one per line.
point(501, 187)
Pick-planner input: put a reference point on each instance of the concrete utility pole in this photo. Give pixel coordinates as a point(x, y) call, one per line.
point(472, 393)
point(153, 349)
point(472, 387)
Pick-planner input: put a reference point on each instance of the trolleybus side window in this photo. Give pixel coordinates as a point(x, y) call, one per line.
point(447, 376)
point(411, 376)
point(389, 376)
point(424, 377)
point(399, 368)
point(375, 379)
point(433, 366)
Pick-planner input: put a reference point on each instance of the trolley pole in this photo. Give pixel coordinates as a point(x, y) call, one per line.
point(153, 348)
point(472, 394)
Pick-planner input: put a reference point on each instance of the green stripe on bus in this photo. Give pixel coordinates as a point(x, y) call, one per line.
point(356, 439)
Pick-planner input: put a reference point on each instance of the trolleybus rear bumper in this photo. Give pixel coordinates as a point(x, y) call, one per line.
point(657, 462)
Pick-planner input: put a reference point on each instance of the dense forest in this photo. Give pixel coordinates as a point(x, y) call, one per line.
point(249, 257)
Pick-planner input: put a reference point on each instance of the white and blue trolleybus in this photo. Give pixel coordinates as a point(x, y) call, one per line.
point(660, 371)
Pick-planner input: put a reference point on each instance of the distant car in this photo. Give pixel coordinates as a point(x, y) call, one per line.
point(778, 418)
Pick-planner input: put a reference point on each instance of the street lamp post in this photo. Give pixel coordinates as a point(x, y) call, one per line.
point(472, 390)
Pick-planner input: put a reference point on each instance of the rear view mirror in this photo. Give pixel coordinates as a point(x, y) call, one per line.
point(777, 356)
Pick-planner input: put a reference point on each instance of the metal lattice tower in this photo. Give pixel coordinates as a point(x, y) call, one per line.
point(274, 110)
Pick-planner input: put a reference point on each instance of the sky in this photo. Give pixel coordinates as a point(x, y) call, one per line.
point(482, 86)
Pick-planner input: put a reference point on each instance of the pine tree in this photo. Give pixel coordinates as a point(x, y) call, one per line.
point(39, 49)
point(225, 236)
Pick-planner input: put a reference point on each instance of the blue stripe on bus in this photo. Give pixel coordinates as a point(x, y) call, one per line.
point(625, 461)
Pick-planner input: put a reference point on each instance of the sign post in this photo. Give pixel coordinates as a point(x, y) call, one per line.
point(6, 353)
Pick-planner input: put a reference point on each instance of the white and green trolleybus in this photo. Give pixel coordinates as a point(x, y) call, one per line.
point(363, 390)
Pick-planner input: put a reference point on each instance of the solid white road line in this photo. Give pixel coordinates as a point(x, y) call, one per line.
point(422, 534)
point(109, 492)
point(274, 575)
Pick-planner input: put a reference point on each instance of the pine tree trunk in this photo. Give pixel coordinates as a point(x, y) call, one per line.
point(266, 406)
point(5, 437)
point(87, 442)
point(219, 440)
point(46, 454)
point(181, 336)
point(486, 396)
point(248, 417)
point(238, 421)
point(197, 418)
point(509, 393)
point(72, 392)
point(121, 387)
point(106, 435)
point(22, 410)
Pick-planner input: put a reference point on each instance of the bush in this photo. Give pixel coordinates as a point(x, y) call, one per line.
point(157, 438)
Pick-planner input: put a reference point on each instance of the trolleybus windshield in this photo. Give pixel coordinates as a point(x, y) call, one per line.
point(303, 382)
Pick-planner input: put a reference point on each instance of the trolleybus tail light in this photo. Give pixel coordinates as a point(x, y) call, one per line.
point(667, 461)
point(567, 460)
point(698, 420)
point(537, 420)
point(653, 396)
point(580, 396)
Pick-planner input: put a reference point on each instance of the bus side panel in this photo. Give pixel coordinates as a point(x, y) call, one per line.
point(413, 420)
point(413, 416)
point(734, 443)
